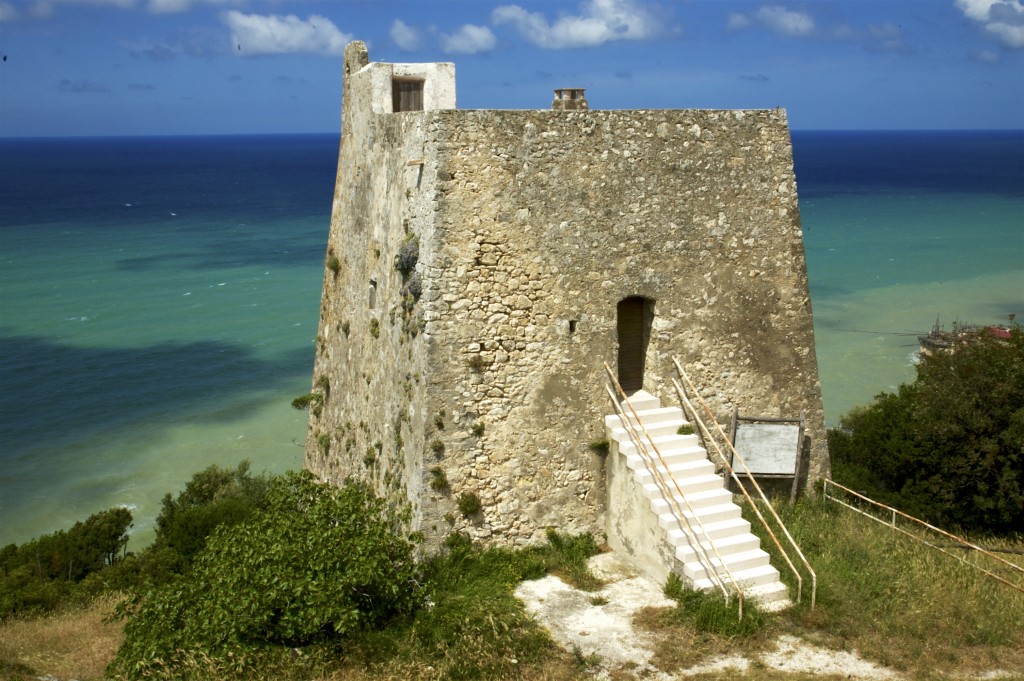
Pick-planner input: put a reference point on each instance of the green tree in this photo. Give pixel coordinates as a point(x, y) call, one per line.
point(213, 497)
point(316, 564)
point(950, 446)
point(44, 572)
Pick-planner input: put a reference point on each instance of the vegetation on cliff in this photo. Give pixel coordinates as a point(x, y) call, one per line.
point(949, 447)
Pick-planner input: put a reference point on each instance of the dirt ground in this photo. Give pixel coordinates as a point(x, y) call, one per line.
point(599, 626)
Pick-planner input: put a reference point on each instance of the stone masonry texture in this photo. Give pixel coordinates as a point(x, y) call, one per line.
point(479, 372)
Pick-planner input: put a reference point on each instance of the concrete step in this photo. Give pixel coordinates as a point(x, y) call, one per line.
point(710, 497)
point(646, 416)
point(670, 441)
point(725, 546)
point(736, 562)
point(653, 430)
point(716, 529)
point(747, 578)
point(674, 445)
point(642, 400)
point(677, 470)
point(771, 597)
point(688, 485)
point(699, 516)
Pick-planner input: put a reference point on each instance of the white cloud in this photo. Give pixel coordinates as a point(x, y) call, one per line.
point(256, 34)
point(986, 56)
point(975, 9)
point(406, 37)
point(1002, 18)
point(599, 22)
point(737, 21)
point(169, 6)
point(784, 21)
point(8, 12)
point(777, 18)
point(469, 39)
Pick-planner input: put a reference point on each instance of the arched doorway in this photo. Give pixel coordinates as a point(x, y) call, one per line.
point(633, 325)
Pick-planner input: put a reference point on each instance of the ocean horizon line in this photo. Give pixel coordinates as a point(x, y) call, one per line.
point(231, 135)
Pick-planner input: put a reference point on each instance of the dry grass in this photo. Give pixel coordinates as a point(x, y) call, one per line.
point(901, 604)
point(76, 644)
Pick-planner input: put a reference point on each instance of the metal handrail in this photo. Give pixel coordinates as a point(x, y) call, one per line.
point(709, 565)
point(736, 456)
point(892, 524)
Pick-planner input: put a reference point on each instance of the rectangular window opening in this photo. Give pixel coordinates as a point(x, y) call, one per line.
point(572, 326)
point(373, 294)
point(406, 95)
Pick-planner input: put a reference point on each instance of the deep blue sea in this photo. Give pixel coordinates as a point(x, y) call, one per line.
point(159, 296)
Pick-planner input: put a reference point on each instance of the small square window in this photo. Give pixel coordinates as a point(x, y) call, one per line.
point(406, 95)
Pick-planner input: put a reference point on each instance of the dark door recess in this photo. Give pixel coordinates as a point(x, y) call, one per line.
point(635, 315)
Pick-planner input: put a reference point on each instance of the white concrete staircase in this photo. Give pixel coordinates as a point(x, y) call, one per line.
point(686, 461)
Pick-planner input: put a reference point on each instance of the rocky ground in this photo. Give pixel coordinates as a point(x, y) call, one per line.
point(599, 625)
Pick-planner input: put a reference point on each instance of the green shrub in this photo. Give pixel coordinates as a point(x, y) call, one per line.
point(477, 429)
point(600, 447)
point(46, 572)
point(469, 504)
point(375, 328)
point(437, 447)
point(438, 479)
point(948, 448)
point(685, 429)
point(408, 255)
point(313, 399)
point(333, 264)
point(213, 497)
point(709, 612)
point(317, 564)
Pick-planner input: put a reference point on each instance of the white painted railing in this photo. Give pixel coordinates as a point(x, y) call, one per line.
point(641, 440)
point(890, 520)
point(709, 438)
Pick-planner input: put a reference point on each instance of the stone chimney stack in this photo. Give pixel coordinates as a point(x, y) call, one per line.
point(570, 99)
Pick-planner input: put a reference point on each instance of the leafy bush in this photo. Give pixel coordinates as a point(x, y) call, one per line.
point(213, 497)
point(41, 574)
point(317, 564)
point(469, 504)
point(408, 255)
point(313, 399)
point(438, 479)
point(474, 627)
point(949, 447)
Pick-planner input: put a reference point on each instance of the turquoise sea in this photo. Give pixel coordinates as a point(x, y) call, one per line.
point(159, 296)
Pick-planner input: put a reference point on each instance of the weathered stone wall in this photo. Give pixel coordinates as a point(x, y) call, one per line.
point(532, 226)
point(371, 358)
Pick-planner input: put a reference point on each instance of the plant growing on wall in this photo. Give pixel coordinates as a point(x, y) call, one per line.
point(313, 401)
point(469, 504)
point(438, 479)
point(333, 264)
point(408, 255)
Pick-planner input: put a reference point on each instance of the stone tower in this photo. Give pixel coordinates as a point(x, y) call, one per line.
point(482, 267)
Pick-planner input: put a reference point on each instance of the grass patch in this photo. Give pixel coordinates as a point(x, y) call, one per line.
point(76, 643)
point(895, 601)
point(473, 626)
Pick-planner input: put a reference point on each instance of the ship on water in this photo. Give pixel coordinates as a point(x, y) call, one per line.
point(940, 340)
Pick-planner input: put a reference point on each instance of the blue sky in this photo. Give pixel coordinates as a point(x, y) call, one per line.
point(150, 67)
